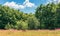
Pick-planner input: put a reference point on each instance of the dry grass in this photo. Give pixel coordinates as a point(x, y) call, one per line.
point(30, 33)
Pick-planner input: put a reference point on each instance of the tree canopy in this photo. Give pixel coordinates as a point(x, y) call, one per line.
point(45, 17)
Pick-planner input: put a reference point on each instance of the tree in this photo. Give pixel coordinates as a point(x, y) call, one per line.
point(33, 22)
point(58, 16)
point(45, 14)
point(8, 15)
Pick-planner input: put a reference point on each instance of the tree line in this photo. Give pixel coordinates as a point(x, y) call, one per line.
point(45, 17)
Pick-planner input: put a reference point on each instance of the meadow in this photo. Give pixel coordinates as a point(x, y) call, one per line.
point(30, 33)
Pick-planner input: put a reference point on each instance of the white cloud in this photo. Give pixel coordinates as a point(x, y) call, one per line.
point(16, 6)
point(28, 4)
point(55, 1)
point(13, 5)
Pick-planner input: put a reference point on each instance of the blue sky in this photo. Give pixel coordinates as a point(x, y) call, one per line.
point(27, 6)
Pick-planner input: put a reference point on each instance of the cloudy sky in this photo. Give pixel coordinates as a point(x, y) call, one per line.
point(27, 6)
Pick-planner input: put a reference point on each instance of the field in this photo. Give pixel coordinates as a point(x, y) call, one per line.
point(30, 33)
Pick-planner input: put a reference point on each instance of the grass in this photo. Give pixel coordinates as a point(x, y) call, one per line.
point(30, 33)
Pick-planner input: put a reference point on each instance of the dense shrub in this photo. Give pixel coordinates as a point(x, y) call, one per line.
point(21, 25)
point(9, 26)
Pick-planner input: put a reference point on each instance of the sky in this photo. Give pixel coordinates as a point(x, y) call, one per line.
point(27, 6)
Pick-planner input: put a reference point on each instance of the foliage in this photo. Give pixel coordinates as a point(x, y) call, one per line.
point(48, 15)
point(33, 22)
point(21, 25)
point(45, 17)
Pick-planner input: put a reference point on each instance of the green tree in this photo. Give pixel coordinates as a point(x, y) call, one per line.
point(45, 14)
point(33, 22)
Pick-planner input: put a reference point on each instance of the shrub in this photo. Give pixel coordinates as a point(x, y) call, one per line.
point(21, 25)
point(9, 26)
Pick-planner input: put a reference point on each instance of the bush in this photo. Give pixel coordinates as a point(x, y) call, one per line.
point(21, 25)
point(9, 26)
